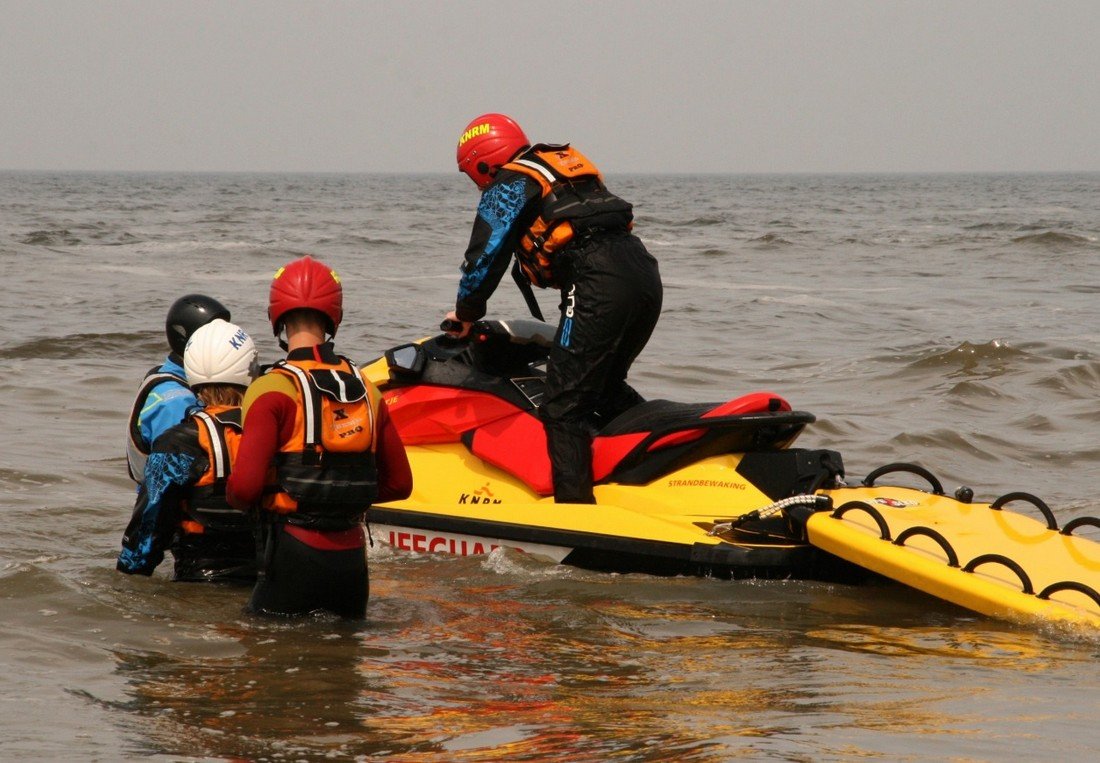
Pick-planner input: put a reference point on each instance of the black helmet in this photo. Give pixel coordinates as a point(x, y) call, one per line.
point(189, 313)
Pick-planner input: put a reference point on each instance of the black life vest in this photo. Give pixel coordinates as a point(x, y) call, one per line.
point(137, 451)
point(575, 205)
point(327, 475)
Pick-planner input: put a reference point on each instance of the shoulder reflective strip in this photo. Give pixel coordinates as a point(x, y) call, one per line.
point(216, 444)
point(369, 401)
point(340, 384)
point(307, 402)
point(538, 167)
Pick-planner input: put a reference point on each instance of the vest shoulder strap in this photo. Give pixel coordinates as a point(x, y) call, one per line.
point(154, 377)
point(218, 446)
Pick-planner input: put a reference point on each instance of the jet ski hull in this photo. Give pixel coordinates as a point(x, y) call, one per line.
point(662, 528)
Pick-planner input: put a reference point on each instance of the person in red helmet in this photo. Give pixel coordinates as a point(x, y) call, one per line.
point(547, 205)
point(317, 449)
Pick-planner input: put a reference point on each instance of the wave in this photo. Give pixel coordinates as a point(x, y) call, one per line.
point(15, 481)
point(980, 447)
point(1042, 225)
point(1083, 288)
point(98, 233)
point(968, 355)
point(994, 227)
point(355, 239)
point(973, 390)
point(959, 370)
point(1054, 241)
point(117, 238)
point(84, 345)
point(1077, 382)
point(695, 222)
point(59, 237)
point(770, 241)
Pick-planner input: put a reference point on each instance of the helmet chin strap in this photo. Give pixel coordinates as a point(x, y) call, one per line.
point(280, 331)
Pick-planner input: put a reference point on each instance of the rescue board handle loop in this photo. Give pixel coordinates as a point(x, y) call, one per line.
point(928, 532)
point(1073, 524)
point(1070, 585)
point(920, 471)
point(1048, 515)
point(884, 529)
point(1025, 581)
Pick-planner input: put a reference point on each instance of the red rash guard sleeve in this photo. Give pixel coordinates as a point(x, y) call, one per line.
point(269, 421)
point(394, 474)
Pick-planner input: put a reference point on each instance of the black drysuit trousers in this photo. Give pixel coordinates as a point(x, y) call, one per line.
point(608, 311)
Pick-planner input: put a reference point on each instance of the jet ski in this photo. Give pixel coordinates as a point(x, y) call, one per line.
point(683, 488)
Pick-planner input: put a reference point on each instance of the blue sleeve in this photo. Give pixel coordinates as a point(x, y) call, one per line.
point(156, 514)
point(167, 405)
point(493, 239)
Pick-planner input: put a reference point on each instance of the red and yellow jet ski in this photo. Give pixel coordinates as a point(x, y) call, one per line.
point(713, 489)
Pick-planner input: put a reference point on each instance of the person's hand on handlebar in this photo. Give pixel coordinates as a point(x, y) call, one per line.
point(454, 327)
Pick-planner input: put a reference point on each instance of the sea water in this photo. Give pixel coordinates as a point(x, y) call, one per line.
point(946, 320)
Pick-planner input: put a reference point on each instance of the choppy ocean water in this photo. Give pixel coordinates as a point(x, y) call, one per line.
point(949, 320)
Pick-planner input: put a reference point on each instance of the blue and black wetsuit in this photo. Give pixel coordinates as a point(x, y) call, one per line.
point(610, 287)
point(182, 507)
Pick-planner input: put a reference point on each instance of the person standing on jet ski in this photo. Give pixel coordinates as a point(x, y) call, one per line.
point(182, 507)
point(318, 449)
point(547, 205)
point(164, 399)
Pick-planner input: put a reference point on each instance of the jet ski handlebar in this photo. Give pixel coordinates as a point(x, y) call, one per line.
point(522, 331)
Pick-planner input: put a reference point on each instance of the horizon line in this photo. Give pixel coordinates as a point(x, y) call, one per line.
point(650, 173)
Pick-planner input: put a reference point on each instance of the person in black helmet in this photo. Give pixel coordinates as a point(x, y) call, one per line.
point(164, 399)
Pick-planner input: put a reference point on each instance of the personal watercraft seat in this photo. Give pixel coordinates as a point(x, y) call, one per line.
point(649, 440)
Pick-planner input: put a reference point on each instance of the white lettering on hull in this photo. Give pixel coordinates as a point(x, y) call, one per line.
point(434, 542)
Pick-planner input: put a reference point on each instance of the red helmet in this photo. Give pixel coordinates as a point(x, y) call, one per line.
point(488, 142)
point(306, 283)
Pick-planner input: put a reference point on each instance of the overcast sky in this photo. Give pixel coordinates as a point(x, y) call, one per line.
point(685, 86)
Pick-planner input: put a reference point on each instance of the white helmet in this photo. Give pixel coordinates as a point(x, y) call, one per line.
point(220, 353)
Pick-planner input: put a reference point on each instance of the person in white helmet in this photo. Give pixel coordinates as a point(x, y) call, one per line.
point(183, 507)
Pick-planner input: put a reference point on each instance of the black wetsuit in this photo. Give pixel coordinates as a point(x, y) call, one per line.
point(304, 571)
point(611, 296)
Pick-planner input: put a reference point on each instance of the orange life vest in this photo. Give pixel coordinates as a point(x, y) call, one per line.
point(219, 433)
point(575, 205)
point(325, 475)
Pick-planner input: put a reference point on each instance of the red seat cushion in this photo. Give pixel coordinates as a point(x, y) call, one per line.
point(516, 443)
